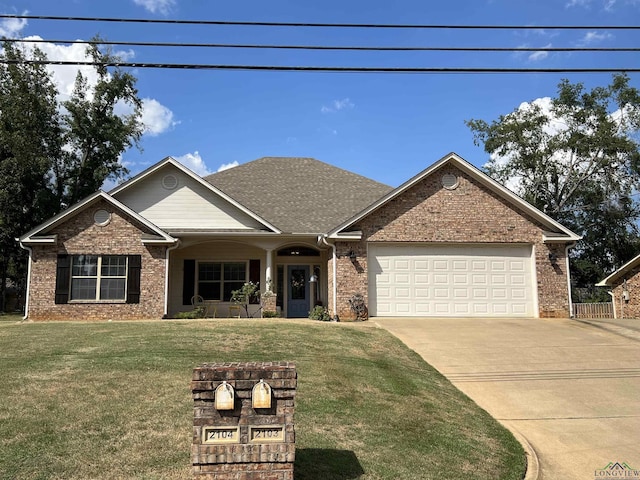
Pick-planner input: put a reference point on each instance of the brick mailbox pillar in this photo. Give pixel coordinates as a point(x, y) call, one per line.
point(243, 426)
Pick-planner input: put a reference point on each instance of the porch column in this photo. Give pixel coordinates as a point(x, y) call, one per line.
point(268, 273)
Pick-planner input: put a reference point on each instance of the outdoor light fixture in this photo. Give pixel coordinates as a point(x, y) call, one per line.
point(352, 255)
point(313, 279)
point(553, 258)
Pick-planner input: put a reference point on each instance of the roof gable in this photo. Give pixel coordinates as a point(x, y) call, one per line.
point(298, 195)
point(556, 231)
point(191, 203)
point(39, 234)
point(619, 273)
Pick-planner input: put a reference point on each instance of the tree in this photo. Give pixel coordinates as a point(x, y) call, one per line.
point(30, 140)
point(95, 134)
point(577, 158)
point(53, 154)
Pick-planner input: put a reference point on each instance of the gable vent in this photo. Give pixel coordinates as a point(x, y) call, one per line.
point(449, 181)
point(101, 217)
point(169, 182)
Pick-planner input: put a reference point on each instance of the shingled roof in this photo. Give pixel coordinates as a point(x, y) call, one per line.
point(298, 195)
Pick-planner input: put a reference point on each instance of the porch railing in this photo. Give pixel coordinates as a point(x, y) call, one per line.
point(593, 310)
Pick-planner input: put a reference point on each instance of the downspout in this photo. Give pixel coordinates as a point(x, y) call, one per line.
point(26, 299)
point(613, 303)
point(566, 259)
point(335, 274)
point(166, 277)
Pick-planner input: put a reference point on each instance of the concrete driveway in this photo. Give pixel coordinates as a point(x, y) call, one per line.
point(571, 389)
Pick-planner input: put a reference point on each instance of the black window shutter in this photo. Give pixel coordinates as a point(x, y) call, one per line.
point(133, 279)
point(254, 271)
point(188, 281)
point(63, 279)
point(254, 274)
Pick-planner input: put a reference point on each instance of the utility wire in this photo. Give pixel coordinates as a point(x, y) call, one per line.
point(291, 68)
point(329, 47)
point(331, 25)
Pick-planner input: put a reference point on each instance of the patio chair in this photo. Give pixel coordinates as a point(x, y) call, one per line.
point(198, 302)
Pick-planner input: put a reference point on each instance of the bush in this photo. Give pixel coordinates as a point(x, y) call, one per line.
point(269, 314)
point(320, 313)
point(198, 312)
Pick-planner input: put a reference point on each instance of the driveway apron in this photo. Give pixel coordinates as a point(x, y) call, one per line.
point(571, 389)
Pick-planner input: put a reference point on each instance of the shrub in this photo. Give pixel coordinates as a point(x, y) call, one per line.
point(320, 313)
point(198, 312)
point(269, 314)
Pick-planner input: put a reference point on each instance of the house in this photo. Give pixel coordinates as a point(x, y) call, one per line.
point(448, 242)
point(624, 285)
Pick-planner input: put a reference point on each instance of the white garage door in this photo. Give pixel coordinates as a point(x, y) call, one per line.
point(452, 281)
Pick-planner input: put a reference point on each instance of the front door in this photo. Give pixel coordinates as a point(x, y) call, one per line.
point(297, 291)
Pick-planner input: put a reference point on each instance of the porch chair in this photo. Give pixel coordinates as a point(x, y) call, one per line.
point(198, 302)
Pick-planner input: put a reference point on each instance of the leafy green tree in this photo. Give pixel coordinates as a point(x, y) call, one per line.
point(577, 158)
point(54, 154)
point(30, 141)
point(95, 133)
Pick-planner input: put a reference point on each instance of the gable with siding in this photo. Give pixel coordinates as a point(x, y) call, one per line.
point(173, 200)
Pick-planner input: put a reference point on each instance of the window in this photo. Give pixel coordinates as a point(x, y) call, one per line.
point(216, 281)
point(98, 277)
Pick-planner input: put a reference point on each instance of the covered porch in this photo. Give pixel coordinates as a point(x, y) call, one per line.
point(293, 267)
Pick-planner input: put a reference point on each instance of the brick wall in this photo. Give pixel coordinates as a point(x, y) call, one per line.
point(81, 235)
point(470, 213)
point(632, 308)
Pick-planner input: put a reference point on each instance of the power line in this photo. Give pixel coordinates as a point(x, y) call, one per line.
point(325, 25)
point(330, 47)
point(292, 68)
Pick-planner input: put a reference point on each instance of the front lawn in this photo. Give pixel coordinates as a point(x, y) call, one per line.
point(112, 400)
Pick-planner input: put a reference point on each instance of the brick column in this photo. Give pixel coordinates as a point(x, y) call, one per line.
point(244, 443)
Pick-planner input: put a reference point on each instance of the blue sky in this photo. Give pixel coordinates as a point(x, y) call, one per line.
point(387, 127)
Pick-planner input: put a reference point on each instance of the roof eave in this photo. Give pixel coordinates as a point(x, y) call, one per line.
point(163, 237)
point(352, 236)
point(554, 238)
point(45, 240)
point(630, 265)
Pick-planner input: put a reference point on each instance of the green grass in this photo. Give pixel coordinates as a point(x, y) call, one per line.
point(112, 400)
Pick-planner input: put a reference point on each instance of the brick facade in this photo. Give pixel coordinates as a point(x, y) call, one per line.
point(630, 309)
point(470, 213)
point(81, 235)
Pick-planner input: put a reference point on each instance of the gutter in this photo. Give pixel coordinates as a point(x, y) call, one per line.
point(166, 277)
point(26, 299)
point(335, 274)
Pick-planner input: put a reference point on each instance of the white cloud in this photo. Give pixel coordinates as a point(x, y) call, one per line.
point(193, 161)
point(554, 126)
point(156, 117)
point(539, 55)
point(64, 76)
point(337, 105)
point(606, 4)
point(11, 27)
point(157, 6)
point(590, 38)
point(579, 3)
point(227, 166)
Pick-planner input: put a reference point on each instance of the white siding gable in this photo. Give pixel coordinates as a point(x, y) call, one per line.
point(189, 205)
